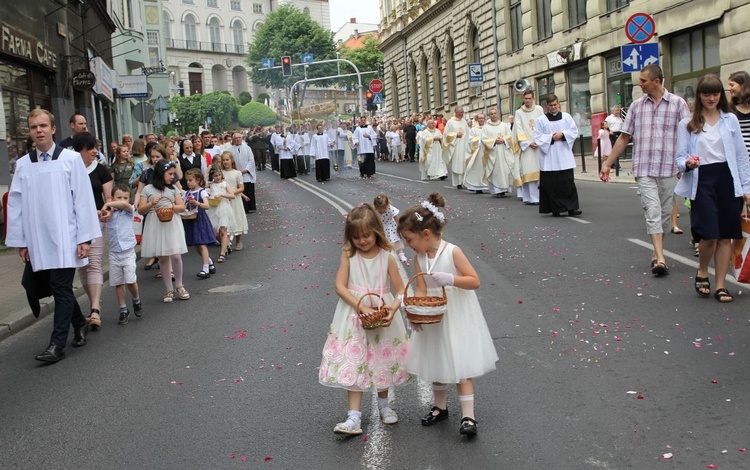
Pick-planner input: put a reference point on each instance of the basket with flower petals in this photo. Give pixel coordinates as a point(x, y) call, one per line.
point(375, 319)
point(424, 309)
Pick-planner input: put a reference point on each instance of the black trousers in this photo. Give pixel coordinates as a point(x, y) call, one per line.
point(275, 161)
point(411, 148)
point(67, 310)
point(249, 191)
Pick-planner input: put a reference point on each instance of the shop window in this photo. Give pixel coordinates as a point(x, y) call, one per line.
point(516, 25)
point(693, 54)
point(544, 86)
point(579, 101)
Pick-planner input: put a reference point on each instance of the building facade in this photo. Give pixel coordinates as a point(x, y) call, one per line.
point(206, 41)
point(567, 47)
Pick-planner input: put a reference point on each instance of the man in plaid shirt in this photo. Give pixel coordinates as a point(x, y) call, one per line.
point(652, 124)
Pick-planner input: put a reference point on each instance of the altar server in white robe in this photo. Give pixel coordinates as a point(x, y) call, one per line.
point(528, 150)
point(498, 155)
point(286, 155)
point(52, 219)
point(474, 179)
point(555, 133)
point(431, 162)
point(320, 145)
point(455, 143)
point(364, 139)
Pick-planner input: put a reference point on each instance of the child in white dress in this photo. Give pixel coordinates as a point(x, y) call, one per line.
point(388, 215)
point(355, 358)
point(221, 215)
point(460, 347)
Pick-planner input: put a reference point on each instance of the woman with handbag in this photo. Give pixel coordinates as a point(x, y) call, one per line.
point(715, 170)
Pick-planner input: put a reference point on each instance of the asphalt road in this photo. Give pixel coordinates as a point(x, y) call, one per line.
point(601, 365)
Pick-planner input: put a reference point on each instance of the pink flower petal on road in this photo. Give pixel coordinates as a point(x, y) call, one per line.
point(714, 381)
point(267, 457)
point(231, 456)
point(668, 455)
point(243, 458)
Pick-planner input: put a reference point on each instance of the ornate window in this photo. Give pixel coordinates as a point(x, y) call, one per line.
point(191, 35)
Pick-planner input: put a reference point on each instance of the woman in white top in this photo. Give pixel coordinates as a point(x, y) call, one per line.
point(394, 143)
point(716, 177)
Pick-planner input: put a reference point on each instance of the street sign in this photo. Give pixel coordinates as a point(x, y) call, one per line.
point(377, 98)
point(476, 75)
point(266, 63)
point(376, 85)
point(306, 58)
point(640, 28)
point(143, 112)
point(636, 56)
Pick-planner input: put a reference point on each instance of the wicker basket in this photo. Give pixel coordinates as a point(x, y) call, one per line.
point(375, 320)
point(165, 213)
point(431, 308)
point(214, 201)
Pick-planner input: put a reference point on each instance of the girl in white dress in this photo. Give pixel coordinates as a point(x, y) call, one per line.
point(354, 358)
point(388, 215)
point(233, 177)
point(165, 240)
point(221, 216)
point(460, 347)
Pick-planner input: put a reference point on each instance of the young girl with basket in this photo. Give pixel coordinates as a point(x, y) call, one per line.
point(367, 345)
point(163, 236)
point(220, 212)
point(198, 229)
point(389, 217)
point(459, 347)
point(233, 177)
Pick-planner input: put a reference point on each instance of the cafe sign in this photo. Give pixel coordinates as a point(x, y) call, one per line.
point(24, 46)
point(83, 80)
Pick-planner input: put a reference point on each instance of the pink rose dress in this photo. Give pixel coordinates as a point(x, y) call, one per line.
point(357, 359)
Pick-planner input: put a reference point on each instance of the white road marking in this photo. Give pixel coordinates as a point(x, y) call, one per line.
point(318, 188)
point(579, 220)
point(323, 195)
point(683, 260)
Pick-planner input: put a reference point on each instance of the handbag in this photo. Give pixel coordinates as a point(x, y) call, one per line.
point(741, 252)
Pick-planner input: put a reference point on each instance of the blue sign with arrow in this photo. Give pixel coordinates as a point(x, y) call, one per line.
point(266, 63)
point(636, 56)
point(307, 58)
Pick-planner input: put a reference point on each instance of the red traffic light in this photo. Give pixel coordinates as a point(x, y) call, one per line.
point(368, 95)
point(286, 60)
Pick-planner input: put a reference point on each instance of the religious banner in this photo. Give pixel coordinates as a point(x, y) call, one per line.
point(316, 110)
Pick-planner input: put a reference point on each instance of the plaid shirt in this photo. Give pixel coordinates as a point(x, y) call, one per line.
point(654, 132)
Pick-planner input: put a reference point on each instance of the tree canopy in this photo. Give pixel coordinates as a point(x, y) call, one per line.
point(289, 32)
point(193, 110)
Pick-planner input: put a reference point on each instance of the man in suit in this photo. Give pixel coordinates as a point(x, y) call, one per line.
point(52, 219)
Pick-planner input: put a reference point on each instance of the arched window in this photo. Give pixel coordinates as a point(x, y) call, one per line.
point(393, 86)
point(437, 73)
point(450, 75)
point(473, 46)
point(426, 105)
point(191, 35)
point(306, 11)
point(166, 27)
point(257, 25)
point(413, 102)
point(238, 37)
point(214, 33)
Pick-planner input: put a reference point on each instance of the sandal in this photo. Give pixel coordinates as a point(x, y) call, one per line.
point(660, 269)
point(468, 427)
point(677, 230)
point(702, 285)
point(182, 293)
point(221, 258)
point(168, 297)
point(95, 320)
point(723, 296)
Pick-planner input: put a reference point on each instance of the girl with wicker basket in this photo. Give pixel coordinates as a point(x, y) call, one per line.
point(221, 212)
point(233, 177)
point(367, 342)
point(164, 236)
point(389, 216)
point(198, 229)
point(458, 348)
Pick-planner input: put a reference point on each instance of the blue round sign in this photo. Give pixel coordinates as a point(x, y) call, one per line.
point(640, 28)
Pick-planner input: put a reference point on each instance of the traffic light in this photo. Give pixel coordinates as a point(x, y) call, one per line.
point(286, 66)
point(381, 70)
point(369, 101)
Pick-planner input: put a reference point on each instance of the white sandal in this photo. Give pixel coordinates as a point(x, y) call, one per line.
point(350, 427)
point(388, 416)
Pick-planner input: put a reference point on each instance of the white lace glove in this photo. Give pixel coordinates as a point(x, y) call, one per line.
point(442, 279)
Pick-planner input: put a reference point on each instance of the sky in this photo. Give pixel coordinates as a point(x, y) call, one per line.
point(366, 11)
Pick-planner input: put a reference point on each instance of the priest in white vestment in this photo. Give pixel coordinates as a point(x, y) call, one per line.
point(527, 150)
point(431, 163)
point(474, 179)
point(555, 133)
point(52, 220)
point(455, 143)
point(498, 156)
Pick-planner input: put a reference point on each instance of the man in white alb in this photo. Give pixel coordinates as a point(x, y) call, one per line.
point(455, 146)
point(528, 150)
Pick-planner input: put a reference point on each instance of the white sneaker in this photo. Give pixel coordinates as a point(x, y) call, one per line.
point(350, 427)
point(388, 416)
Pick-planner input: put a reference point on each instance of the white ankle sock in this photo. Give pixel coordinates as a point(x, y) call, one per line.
point(467, 405)
point(205, 268)
point(382, 402)
point(354, 414)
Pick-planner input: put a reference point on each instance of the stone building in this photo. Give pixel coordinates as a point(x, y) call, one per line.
point(569, 47)
point(207, 41)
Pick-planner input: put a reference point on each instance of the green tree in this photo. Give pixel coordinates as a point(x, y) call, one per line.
point(256, 114)
point(222, 107)
point(188, 110)
point(289, 32)
point(366, 58)
point(262, 97)
point(245, 98)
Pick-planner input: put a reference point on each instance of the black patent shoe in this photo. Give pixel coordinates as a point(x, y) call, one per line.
point(468, 427)
point(575, 212)
point(79, 336)
point(211, 269)
point(432, 418)
point(53, 354)
point(203, 275)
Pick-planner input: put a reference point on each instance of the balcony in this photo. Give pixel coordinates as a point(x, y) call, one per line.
point(206, 46)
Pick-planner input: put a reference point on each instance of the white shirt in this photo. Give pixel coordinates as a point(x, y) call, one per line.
point(245, 160)
point(362, 138)
point(558, 155)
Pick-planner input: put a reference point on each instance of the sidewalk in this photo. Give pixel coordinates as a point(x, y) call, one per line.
point(592, 171)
